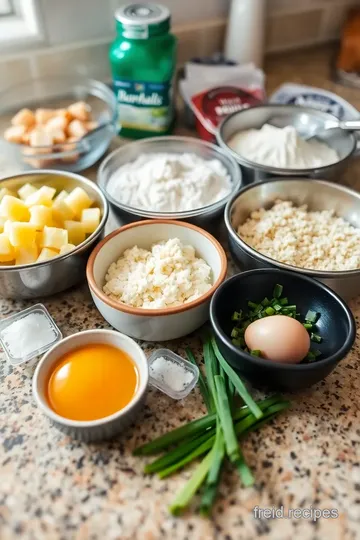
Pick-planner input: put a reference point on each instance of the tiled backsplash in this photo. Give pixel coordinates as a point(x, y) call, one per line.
point(78, 33)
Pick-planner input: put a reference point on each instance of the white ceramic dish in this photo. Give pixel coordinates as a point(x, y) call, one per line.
point(107, 427)
point(154, 324)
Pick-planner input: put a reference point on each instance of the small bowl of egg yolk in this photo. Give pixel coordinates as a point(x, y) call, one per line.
point(91, 385)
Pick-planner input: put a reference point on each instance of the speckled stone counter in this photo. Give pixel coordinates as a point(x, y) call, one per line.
point(55, 488)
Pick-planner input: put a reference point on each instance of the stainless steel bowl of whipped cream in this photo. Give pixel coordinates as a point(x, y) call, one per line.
point(265, 148)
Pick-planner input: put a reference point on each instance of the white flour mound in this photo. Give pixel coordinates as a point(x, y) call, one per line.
point(170, 182)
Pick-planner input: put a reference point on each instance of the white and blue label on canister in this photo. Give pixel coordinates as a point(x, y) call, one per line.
point(143, 105)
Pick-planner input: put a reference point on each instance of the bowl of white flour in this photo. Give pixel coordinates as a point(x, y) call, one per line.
point(263, 150)
point(169, 177)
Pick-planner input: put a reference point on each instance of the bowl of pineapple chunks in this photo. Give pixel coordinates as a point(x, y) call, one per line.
point(49, 223)
point(62, 123)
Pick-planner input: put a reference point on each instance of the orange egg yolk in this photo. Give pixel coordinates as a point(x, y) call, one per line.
point(92, 382)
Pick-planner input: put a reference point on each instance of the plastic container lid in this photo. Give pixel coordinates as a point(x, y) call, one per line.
point(168, 381)
point(53, 334)
point(142, 20)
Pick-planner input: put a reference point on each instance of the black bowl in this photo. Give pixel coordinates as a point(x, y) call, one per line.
point(336, 326)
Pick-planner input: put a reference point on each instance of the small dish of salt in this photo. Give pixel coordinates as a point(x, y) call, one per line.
point(171, 374)
point(28, 333)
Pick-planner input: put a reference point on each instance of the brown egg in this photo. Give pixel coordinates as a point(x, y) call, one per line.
point(279, 338)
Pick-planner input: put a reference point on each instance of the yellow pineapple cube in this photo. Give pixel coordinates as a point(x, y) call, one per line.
point(42, 196)
point(5, 191)
point(7, 226)
point(90, 218)
point(54, 238)
point(57, 224)
point(39, 239)
point(3, 220)
point(78, 200)
point(41, 216)
point(61, 196)
point(25, 191)
point(7, 252)
point(14, 209)
point(49, 191)
point(46, 254)
point(66, 248)
point(61, 211)
point(22, 234)
point(75, 231)
point(27, 255)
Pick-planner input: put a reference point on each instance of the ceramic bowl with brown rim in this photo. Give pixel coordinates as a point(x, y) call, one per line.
point(154, 324)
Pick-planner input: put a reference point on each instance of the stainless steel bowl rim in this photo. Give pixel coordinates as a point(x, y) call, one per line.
point(261, 362)
point(317, 274)
point(278, 170)
point(236, 182)
point(80, 247)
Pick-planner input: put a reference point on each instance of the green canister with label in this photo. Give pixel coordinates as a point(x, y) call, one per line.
point(143, 61)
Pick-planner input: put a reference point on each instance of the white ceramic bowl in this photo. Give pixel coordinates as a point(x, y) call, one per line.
point(107, 427)
point(154, 324)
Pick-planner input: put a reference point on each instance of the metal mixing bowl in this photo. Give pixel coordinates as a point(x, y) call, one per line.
point(343, 142)
point(318, 195)
point(203, 217)
point(60, 273)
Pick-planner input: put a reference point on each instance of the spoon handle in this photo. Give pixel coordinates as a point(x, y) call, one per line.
point(350, 125)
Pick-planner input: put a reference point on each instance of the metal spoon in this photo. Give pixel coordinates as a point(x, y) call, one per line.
point(349, 125)
point(309, 129)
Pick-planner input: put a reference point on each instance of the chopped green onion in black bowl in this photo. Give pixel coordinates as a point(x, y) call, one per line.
point(335, 325)
point(276, 305)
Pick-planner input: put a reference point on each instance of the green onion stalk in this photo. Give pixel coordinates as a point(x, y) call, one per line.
point(215, 436)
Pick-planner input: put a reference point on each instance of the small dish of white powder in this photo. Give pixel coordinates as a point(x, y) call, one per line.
point(28, 333)
point(169, 182)
point(171, 374)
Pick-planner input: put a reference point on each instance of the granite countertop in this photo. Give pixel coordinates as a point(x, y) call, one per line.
point(55, 488)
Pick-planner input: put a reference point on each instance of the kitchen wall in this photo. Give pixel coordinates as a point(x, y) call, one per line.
point(75, 34)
